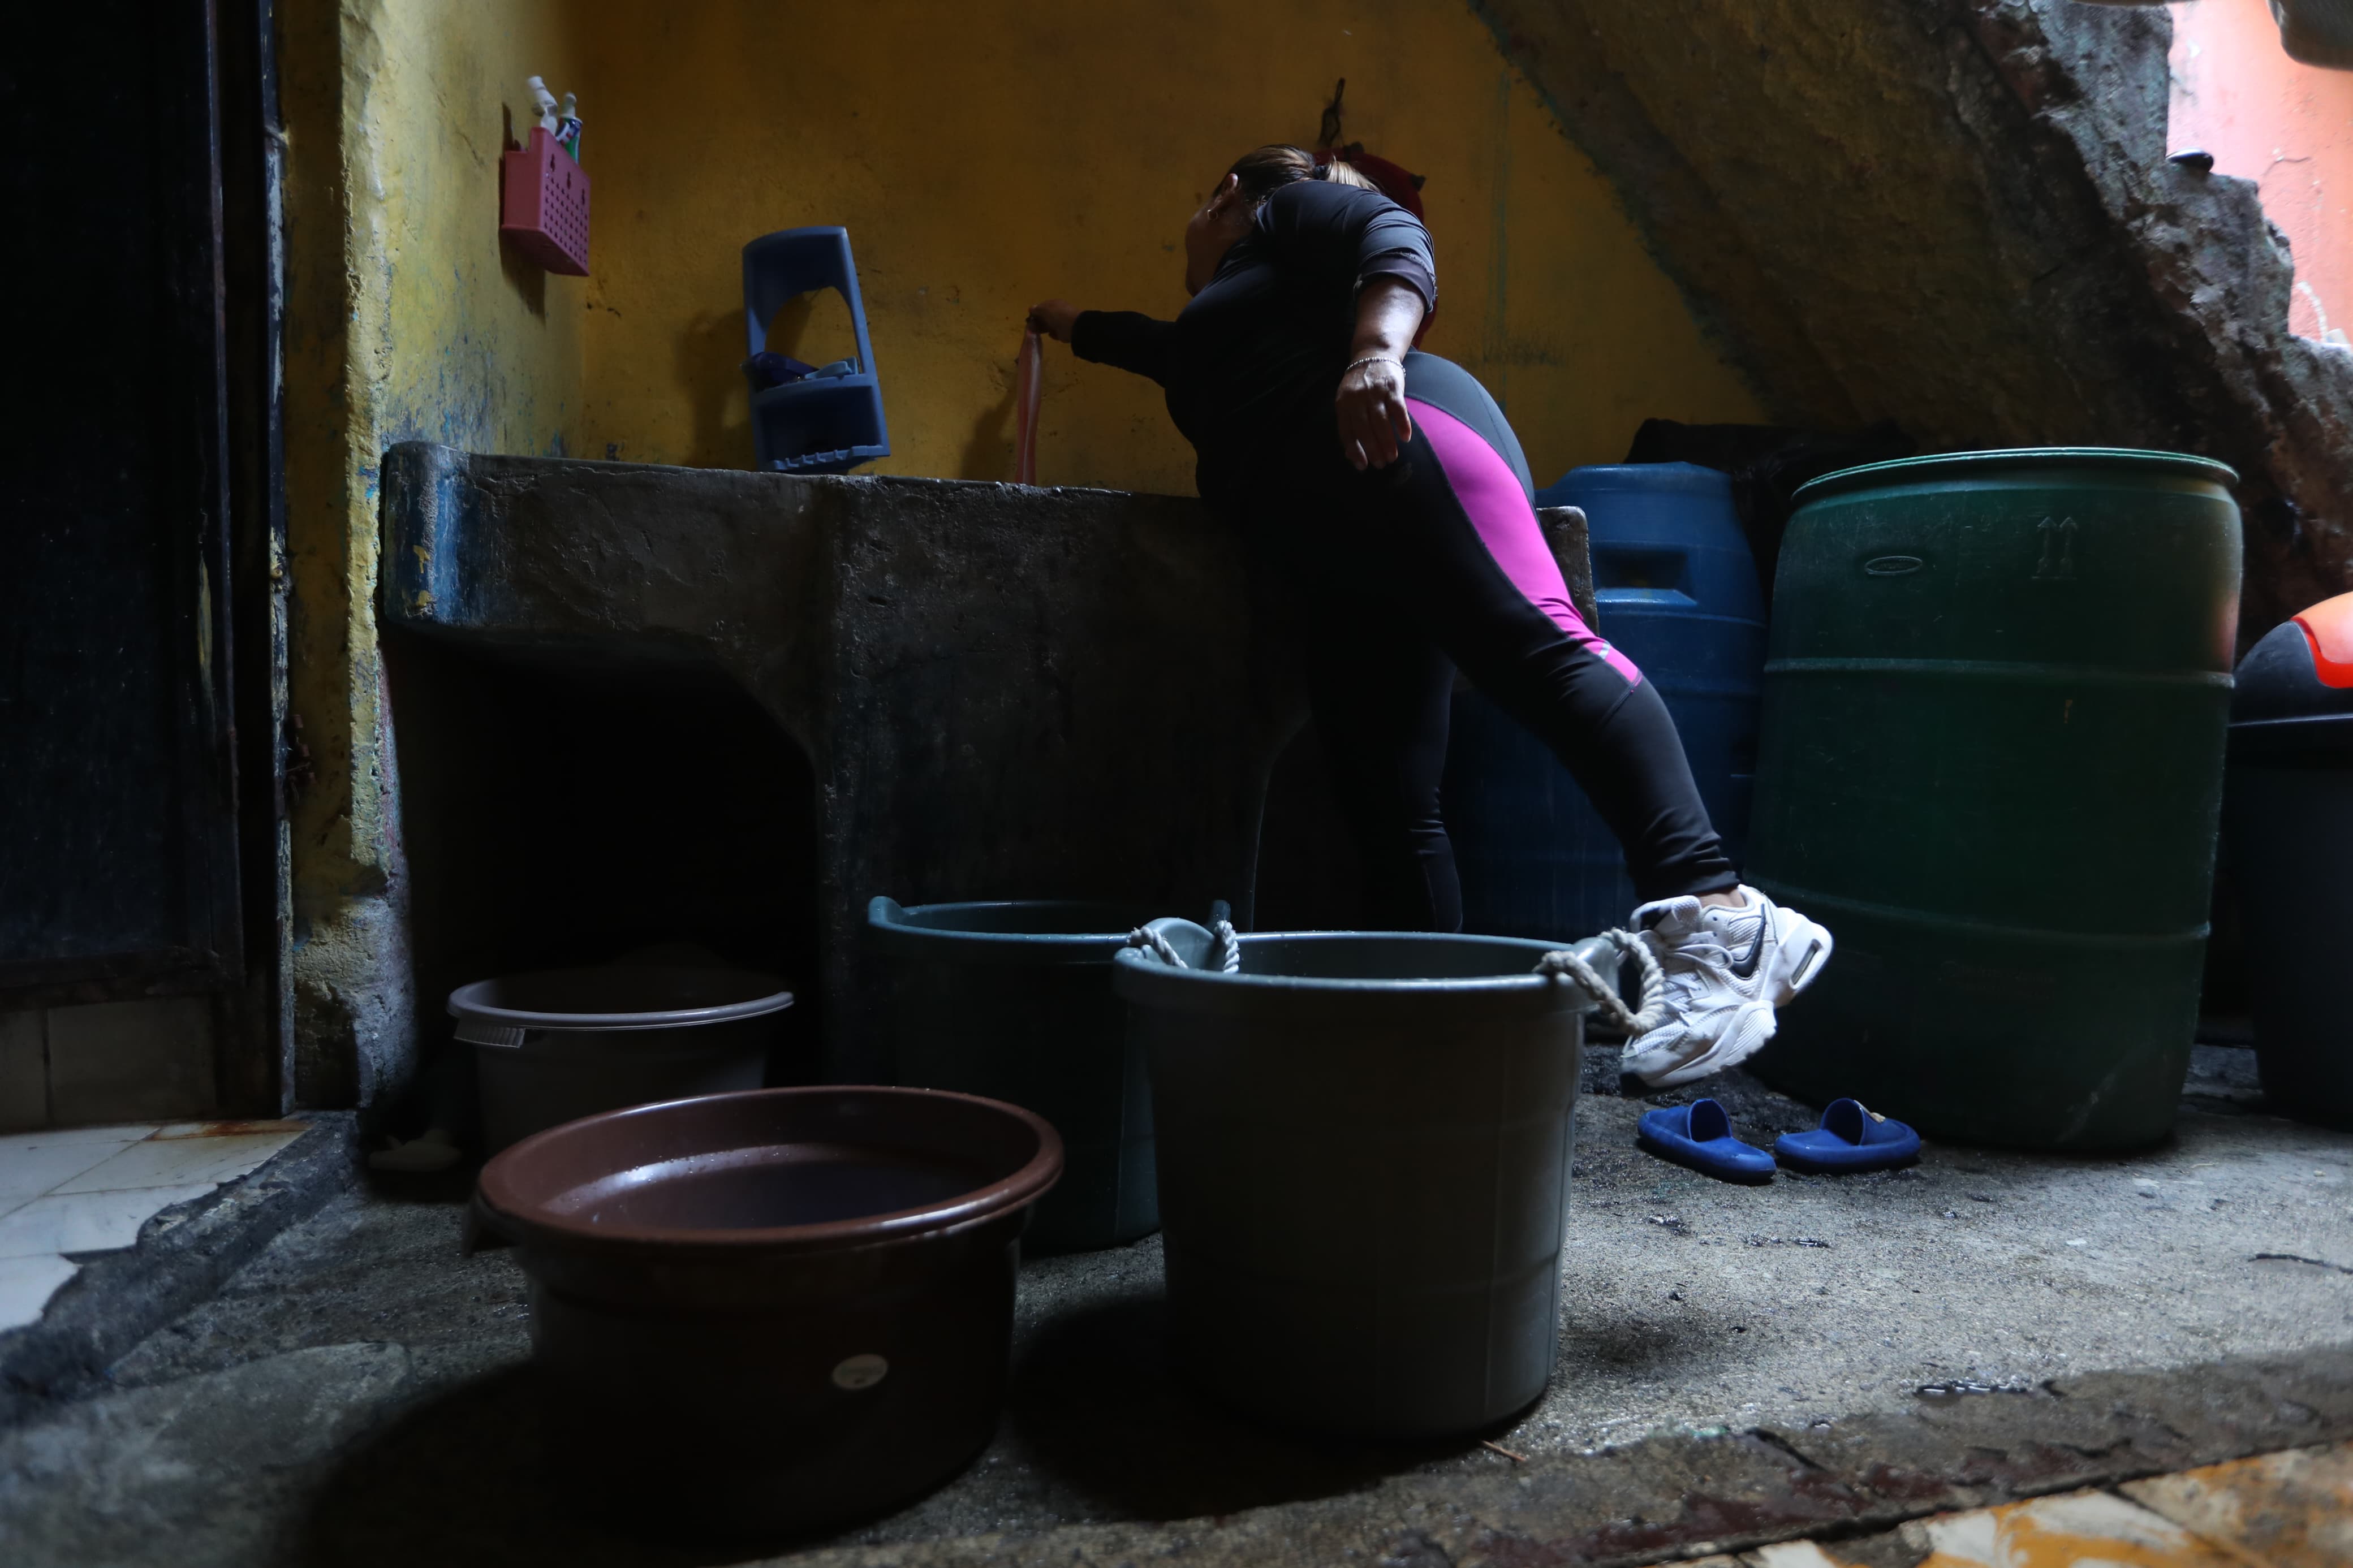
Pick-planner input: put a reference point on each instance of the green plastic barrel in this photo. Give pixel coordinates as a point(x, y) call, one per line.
point(1012, 1001)
point(1364, 1148)
point(1992, 763)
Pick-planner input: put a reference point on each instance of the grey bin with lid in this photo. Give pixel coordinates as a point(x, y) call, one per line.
point(1012, 1000)
point(1365, 1147)
point(2287, 816)
point(557, 1044)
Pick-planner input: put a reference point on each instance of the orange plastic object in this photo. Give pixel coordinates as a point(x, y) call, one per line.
point(1028, 389)
point(543, 210)
point(2327, 626)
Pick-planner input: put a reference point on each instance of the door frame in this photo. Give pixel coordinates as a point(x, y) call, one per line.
point(226, 279)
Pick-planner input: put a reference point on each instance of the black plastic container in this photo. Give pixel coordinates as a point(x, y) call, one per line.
point(2287, 812)
point(768, 1312)
point(1013, 1001)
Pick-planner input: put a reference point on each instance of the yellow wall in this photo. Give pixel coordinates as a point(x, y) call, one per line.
point(986, 156)
point(404, 322)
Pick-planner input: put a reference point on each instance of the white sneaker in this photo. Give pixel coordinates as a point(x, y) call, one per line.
point(1726, 970)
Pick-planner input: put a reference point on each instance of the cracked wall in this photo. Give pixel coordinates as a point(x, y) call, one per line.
point(1959, 215)
point(403, 321)
point(2267, 117)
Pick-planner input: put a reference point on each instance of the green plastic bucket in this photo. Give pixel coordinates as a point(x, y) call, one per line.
point(1992, 763)
point(1364, 1146)
point(1013, 1001)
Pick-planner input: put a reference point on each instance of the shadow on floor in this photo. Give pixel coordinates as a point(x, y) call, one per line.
point(1097, 1403)
point(1094, 1410)
point(1652, 1346)
point(458, 1480)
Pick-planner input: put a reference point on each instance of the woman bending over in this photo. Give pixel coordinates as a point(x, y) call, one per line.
point(1386, 501)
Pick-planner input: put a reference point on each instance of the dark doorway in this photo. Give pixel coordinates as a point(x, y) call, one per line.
point(562, 807)
point(139, 846)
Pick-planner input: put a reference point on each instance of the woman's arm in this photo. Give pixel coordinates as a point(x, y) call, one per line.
point(1337, 237)
point(1119, 338)
point(1371, 401)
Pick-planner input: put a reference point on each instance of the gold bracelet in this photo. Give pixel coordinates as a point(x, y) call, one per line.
point(1377, 359)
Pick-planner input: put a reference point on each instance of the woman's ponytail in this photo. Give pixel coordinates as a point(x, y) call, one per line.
point(1265, 169)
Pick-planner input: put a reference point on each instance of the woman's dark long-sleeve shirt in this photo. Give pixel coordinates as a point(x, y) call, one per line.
point(1251, 364)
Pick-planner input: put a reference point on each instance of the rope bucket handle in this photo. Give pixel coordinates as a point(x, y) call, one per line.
point(1561, 964)
point(1603, 989)
point(1228, 952)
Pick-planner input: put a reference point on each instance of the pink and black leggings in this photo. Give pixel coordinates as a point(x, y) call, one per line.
point(1390, 579)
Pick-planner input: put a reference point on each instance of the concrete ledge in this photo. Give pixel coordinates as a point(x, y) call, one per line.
point(1001, 692)
point(1687, 1496)
point(185, 1254)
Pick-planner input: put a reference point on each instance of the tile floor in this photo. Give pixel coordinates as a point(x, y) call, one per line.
point(2292, 1510)
point(89, 1189)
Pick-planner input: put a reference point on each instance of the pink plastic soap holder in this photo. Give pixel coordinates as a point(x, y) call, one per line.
point(543, 210)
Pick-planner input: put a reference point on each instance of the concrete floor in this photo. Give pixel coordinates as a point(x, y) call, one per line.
point(357, 1394)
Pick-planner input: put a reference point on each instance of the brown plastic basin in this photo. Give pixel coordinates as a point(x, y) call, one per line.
point(772, 1311)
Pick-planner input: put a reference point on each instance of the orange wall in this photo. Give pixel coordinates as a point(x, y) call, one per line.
point(2289, 126)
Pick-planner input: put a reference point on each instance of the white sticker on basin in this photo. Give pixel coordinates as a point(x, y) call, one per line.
point(861, 1371)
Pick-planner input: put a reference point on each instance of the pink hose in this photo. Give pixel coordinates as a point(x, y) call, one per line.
point(1026, 393)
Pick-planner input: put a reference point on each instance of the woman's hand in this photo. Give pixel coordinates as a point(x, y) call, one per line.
point(1374, 422)
point(1054, 317)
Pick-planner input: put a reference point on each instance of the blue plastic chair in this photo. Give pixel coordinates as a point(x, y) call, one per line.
point(829, 422)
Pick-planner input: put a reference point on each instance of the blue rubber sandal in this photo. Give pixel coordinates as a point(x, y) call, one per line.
point(1850, 1138)
point(1700, 1135)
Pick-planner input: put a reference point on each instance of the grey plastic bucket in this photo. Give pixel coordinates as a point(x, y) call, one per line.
point(560, 1044)
point(1365, 1147)
point(1012, 1001)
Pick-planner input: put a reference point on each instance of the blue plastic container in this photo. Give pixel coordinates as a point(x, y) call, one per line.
point(1676, 590)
